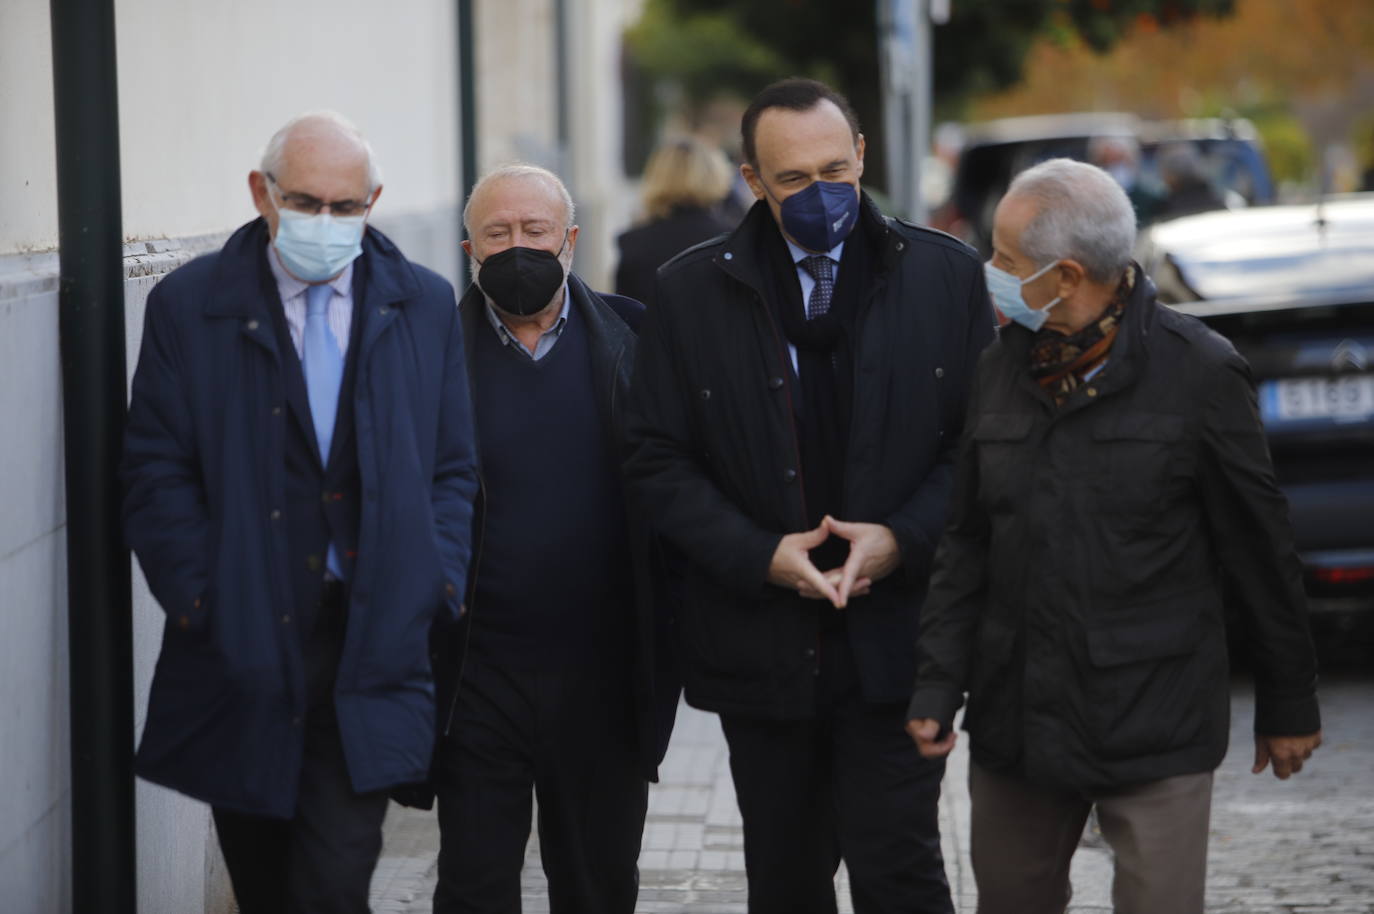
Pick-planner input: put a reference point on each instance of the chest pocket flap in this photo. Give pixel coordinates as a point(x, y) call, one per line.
point(1136, 426)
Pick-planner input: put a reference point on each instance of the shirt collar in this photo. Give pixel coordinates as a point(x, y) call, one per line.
point(289, 286)
point(800, 253)
point(508, 338)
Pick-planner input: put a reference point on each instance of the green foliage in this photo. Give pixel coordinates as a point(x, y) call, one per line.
point(701, 54)
point(983, 47)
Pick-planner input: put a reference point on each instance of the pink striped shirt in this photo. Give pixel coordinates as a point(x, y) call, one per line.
point(292, 292)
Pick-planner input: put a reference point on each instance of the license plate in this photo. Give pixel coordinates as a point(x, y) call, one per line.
point(1345, 399)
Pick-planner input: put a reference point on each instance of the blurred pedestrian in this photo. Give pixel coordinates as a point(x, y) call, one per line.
point(800, 389)
point(552, 684)
point(1119, 156)
point(685, 184)
point(1189, 188)
point(307, 356)
point(1113, 485)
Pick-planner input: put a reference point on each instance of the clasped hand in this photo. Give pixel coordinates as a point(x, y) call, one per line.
point(873, 555)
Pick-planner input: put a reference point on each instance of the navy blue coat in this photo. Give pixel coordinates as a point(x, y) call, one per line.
point(205, 474)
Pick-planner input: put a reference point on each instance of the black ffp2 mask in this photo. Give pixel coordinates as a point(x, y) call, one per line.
point(521, 281)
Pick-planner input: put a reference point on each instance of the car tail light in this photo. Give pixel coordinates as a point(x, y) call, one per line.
point(1343, 575)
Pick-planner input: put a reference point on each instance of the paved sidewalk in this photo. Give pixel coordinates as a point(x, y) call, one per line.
point(692, 860)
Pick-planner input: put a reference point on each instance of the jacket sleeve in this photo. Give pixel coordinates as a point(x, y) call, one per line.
point(957, 596)
point(666, 478)
point(455, 469)
point(1248, 519)
point(917, 523)
point(165, 514)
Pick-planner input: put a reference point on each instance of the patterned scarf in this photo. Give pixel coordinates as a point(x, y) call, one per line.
point(1058, 362)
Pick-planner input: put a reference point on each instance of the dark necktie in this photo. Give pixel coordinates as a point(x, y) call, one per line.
point(822, 269)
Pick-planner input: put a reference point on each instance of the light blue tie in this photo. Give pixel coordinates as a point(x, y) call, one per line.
point(323, 365)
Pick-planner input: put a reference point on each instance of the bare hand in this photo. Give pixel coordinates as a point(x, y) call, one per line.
point(925, 732)
point(1286, 752)
point(834, 576)
point(792, 568)
point(873, 555)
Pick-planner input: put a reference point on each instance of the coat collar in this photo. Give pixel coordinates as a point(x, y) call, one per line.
point(1127, 358)
point(741, 253)
point(242, 270)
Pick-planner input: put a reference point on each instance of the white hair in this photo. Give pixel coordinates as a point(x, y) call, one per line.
point(525, 171)
point(272, 154)
point(1082, 214)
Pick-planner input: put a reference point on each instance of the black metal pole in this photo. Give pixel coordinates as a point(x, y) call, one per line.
point(91, 303)
point(467, 113)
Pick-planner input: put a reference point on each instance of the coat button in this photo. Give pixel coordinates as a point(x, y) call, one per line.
point(324, 497)
point(286, 619)
point(728, 256)
point(1092, 391)
point(705, 393)
point(900, 245)
point(810, 653)
point(789, 475)
point(252, 325)
point(774, 383)
point(295, 721)
point(276, 410)
point(312, 562)
point(184, 622)
point(939, 372)
point(276, 514)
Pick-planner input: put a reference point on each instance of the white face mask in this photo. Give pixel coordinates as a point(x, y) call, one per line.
point(1005, 290)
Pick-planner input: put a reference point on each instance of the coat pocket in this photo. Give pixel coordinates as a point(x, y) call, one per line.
point(1149, 672)
point(1138, 457)
point(725, 633)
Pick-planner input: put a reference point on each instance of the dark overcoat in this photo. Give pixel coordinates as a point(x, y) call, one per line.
point(1078, 593)
point(715, 460)
point(205, 474)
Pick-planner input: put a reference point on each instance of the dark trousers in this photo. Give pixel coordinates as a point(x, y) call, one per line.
point(320, 861)
point(848, 784)
point(567, 736)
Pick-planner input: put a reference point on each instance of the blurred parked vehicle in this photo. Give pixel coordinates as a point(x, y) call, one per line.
point(1223, 153)
point(1293, 288)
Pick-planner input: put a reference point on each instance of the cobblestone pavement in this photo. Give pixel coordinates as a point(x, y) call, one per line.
point(1295, 847)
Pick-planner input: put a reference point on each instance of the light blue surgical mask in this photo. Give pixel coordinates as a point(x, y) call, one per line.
point(1005, 289)
point(314, 248)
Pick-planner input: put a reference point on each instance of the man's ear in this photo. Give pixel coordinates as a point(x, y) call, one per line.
point(751, 177)
point(1071, 278)
point(467, 247)
point(257, 186)
point(859, 152)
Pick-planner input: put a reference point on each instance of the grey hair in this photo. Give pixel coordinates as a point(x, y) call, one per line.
point(1082, 214)
point(520, 170)
point(272, 154)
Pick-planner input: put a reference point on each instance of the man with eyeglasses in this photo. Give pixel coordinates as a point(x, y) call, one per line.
point(300, 474)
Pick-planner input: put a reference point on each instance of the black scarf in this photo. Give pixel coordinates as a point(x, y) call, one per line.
point(825, 362)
